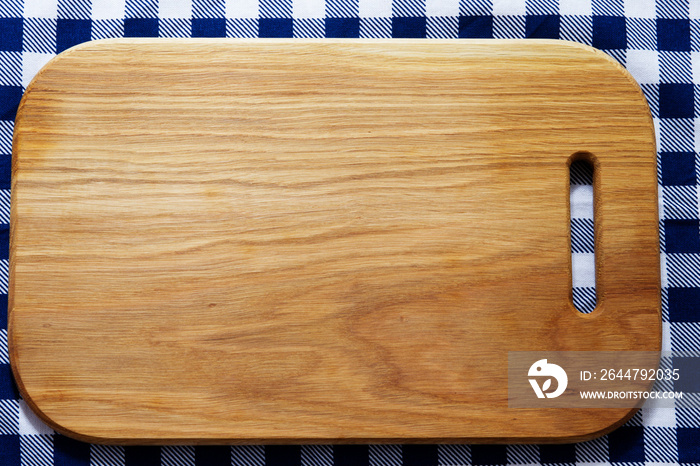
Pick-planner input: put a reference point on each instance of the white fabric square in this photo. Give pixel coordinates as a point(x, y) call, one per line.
point(694, 9)
point(575, 7)
point(108, 9)
point(581, 201)
point(509, 7)
point(442, 8)
point(696, 137)
point(640, 8)
point(242, 9)
point(41, 8)
point(309, 9)
point(29, 423)
point(666, 336)
point(658, 413)
point(175, 9)
point(583, 263)
point(375, 8)
point(695, 65)
point(31, 64)
point(664, 276)
point(643, 65)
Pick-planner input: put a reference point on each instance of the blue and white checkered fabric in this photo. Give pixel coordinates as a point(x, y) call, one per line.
point(659, 42)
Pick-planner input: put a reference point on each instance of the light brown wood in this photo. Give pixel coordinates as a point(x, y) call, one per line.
point(221, 241)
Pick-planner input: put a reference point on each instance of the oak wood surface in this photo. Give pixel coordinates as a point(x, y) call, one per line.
point(221, 241)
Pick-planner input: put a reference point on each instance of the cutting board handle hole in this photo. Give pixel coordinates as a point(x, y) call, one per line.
point(581, 206)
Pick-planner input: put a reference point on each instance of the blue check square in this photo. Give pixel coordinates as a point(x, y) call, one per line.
point(407, 27)
point(140, 27)
point(342, 27)
point(609, 32)
point(682, 235)
point(673, 34)
point(11, 34)
point(70, 32)
point(209, 27)
point(542, 26)
point(275, 27)
point(676, 100)
point(476, 27)
point(678, 168)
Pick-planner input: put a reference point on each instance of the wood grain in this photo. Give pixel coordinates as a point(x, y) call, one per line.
point(219, 241)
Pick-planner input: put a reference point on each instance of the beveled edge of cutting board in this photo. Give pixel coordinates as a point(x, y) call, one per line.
point(127, 441)
point(221, 40)
point(626, 414)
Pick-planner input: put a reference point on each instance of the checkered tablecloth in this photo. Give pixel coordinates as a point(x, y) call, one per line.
point(659, 42)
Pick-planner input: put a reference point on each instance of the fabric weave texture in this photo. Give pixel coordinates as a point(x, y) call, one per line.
point(657, 41)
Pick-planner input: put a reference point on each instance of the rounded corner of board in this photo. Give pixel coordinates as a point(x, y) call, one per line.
point(35, 407)
point(25, 393)
point(615, 65)
point(60, 57)
point(68, 430)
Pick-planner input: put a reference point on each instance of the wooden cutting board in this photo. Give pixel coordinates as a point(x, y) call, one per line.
point(220, 241)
